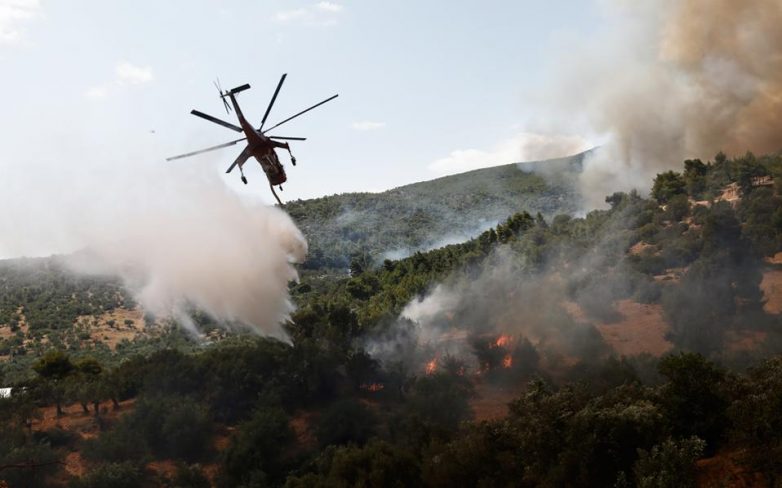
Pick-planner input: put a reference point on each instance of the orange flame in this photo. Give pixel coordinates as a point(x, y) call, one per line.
point(503, 341)
point(507, 361)
point(372, 387)
point(431, 366)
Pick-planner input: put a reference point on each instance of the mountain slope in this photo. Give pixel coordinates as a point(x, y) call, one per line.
point(432, 213)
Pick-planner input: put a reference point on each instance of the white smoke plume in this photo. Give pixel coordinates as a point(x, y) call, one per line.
point(177, 236)
point(506, 295)
point(678, 79)
point(496, 298)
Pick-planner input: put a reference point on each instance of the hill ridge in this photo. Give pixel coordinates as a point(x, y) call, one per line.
point(417, 216)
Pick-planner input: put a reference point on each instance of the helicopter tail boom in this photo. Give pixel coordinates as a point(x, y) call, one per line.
point(236, 90)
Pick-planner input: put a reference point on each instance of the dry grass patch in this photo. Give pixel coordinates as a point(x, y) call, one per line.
point(113, 327)
point(641, 328)
point(772, 290)
point(491, 401)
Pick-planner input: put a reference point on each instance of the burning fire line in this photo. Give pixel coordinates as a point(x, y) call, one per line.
point(503, 341)
point(373, 387)
point(431, 366)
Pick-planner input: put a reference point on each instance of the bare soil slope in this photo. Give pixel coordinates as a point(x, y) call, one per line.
point(641, 329)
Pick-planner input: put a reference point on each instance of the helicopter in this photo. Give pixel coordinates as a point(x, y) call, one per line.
point(259, 145)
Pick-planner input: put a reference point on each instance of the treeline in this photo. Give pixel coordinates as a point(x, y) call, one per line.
point(607, 429)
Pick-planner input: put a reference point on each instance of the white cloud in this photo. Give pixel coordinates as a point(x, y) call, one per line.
point(329, 6)
point(12, 14)
point(525, 146)
point(97, 92)
point(321, 13)
point(289, 15)
point(366, 125)
point(125, 74)
point(132, 74)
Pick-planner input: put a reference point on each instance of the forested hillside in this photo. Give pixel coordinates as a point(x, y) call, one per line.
point(496, 361)
point(430, 214)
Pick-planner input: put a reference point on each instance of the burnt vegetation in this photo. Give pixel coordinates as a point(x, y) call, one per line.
point(322, 411)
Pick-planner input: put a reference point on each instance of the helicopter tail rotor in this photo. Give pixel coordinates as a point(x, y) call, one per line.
point(222, 96)
point(229, 93)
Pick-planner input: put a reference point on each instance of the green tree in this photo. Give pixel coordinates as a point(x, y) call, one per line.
point(756, 422)
point(693, 398)
point(190, 477)
point(54, 367)
point(722, 231)
point(701, 306)
point(747, 169)
point(168, 427)
point(678, 207)
point(667, 185)
point(695, 176)
point(669, 465)
point(542, 418)
point(605, 434)
point(85, 384)
point(485, 454)
point(761, 213)
point(257, 450)
point(441, 400)
point(344, 422)
point(378, 464)
point(26, 463)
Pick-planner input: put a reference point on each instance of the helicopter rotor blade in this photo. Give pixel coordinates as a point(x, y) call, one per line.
point(274, 97)
point(285, 138)
point(216, 120)
point(219, 146)
point(302, 113)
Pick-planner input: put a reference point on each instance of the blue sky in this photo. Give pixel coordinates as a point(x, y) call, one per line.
point(426, 88)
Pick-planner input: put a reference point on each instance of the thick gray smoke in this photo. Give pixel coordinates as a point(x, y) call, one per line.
point(550, 306)
point(178, 240)
point(501, 297)
point(679, 79)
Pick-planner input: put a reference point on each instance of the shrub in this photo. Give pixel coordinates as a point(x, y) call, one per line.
point(668, 465)
point(190, 477)
point(256, 452)
point(346, 421)
point(112, 475)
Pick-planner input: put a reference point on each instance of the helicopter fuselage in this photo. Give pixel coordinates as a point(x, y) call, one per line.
point(262, 148)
